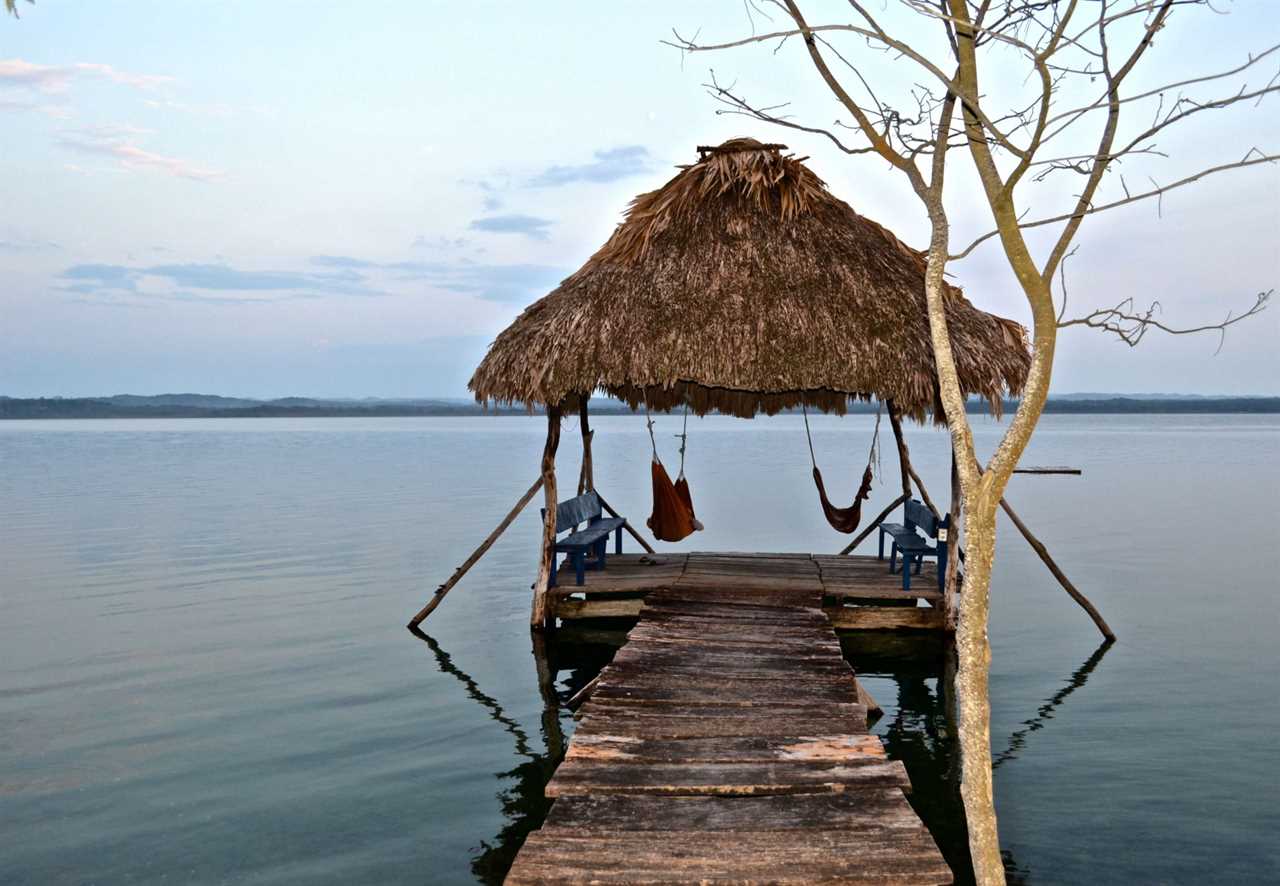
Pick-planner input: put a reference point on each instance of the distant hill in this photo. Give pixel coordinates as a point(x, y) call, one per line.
point(213, 406)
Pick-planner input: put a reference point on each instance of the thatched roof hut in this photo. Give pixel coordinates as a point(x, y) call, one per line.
point(743, 285)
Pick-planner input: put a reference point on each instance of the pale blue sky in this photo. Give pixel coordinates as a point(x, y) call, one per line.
point(276, 198)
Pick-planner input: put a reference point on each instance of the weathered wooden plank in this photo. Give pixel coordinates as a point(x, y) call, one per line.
point(880, 594)
point(727, 749)
point(575, 609)
point(756, 693)
point(611, 717)
point(673, 605)
point(878, 618)
point(675, 624)
point(732, 640)
point(793, 777)
point(726, 668)
point(749, 555)
point(872, 807)
point(846, 857)
point(749, 596)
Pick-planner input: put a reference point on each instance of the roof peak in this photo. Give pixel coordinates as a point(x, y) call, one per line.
point(738, 145)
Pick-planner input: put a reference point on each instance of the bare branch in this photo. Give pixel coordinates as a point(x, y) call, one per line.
point(1249, 160)
point(1159, 90)
point(738, 105)
point(1130, 325)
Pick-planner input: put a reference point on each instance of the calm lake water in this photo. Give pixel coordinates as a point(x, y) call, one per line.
point(205, 676)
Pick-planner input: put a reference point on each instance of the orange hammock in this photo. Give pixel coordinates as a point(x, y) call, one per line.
point(844, 520)
point(672, 518)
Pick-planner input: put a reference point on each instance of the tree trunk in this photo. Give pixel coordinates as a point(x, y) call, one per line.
point(540, 615)
point(973, 651)
point(950, 581)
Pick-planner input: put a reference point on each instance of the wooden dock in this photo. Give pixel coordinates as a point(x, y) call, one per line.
point(857, 592)
point(725, 743)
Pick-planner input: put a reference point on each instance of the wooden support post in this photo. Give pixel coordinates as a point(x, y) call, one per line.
point(883, 515)
point(1058, 573)
point(551, 731)
point(904, 457)
point(586, 479)
point(540, 616)
point(950, 602)
point(954, 553)
point(580, 697)
point(627, 526)
point(904, 461)
point(475, 556)
point(865, 699)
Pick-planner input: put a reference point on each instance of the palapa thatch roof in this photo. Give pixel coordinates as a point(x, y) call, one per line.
point(742, 285)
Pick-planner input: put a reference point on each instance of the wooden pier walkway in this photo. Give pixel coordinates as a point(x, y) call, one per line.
point(857, 592)
point(725, 743)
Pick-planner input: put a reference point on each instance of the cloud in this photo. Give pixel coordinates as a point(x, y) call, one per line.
point(121, 143)
point(341, 261)
point(501, 283)
point(25, 244)
point(89, 278)
point(440, 242)
point(330, 275)
point(56, 78)
point(528, 225)
point(137, 81)
point(93, 279)
point(609, 165)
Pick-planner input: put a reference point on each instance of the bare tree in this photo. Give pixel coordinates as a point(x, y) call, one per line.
point(11, 6)
point(1055, 110)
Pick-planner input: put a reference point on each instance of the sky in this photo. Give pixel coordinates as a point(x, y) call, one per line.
point(285, 198)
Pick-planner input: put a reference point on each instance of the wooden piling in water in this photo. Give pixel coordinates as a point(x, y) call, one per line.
point(479, 552)
point(540, 616)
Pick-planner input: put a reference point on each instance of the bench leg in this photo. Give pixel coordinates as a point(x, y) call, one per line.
point(919, 563)
point(617, 540)
point(880, 554)
point(893, 557)
point(602, 549)
point(580, 567)
point(906, 572)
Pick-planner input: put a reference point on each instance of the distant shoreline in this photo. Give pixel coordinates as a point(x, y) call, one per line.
point(19, 409)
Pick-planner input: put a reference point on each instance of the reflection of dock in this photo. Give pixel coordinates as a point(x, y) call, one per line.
point(858, 593)
point(726, 742)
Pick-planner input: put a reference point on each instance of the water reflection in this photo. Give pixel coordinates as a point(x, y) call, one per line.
point(524, 803)
point(1044, 713)
point(919, 730)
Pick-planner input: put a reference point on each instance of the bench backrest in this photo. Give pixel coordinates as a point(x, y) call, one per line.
point(581, 509)
point(918, 516)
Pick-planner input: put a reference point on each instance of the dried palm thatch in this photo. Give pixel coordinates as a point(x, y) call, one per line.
point(744, 286)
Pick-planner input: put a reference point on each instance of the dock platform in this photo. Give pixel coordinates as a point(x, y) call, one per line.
point(725, 743)
point(858, 593)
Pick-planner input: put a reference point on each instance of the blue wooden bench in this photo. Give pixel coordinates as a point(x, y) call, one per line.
point(912, 545)
point(594, 537)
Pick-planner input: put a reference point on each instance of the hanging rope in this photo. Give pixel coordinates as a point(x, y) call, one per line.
point(874, 455)
point(813, 458)
point(684, 440)
point(648, 420)
point(844, 519)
